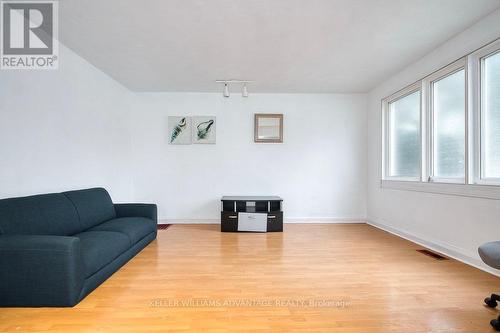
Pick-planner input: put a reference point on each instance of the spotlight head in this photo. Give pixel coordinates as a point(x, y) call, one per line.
point(244, 92)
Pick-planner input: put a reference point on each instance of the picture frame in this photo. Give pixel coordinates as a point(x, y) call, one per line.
point(179, 130)
point(204, 129)
point(268, 128)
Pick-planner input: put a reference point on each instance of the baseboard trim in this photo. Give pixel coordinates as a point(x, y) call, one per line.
point(189, 221)
point(328, 220)
point(445, 249)
point(341, 220)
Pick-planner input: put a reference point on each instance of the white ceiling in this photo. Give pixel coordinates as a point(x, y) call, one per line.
point(296, 46)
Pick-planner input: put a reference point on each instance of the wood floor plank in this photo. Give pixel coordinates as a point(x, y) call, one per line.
point(311, 278)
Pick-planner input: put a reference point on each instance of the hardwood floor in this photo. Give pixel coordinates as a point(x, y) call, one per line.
point(351, 278)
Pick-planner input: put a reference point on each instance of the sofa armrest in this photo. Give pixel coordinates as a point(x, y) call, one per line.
point(40, 270)
point(137, 210)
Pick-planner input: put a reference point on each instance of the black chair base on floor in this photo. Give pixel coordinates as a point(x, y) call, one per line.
point(492, 300)
point(496, 323)
point(490, 254)
point(492, 303)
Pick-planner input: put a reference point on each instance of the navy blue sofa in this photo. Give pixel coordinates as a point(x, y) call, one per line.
point(57, 248)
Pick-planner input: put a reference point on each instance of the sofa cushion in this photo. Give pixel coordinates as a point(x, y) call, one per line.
point(47, 214)
point(99, 248)
point(136, 228)
point(93, 206)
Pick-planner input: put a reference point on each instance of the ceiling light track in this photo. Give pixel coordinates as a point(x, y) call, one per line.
point(244, 90)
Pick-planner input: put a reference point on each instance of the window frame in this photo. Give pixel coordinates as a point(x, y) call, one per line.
point(476, 84)
point(473, 185)
point(416, 87)
point(428, 100)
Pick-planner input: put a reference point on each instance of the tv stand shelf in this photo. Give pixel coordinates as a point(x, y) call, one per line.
point(251, 213)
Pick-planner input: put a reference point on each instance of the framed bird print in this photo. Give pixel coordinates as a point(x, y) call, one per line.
point(204, 128)
point(179, 130)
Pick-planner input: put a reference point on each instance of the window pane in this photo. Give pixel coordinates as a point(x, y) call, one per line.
point(491, 116)
point(449, 126)
point(404, 136)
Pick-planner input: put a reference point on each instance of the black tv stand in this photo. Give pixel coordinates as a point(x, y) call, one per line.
point(251, 214)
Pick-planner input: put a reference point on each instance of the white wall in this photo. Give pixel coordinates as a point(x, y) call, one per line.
point(451, 224)
point(76, 127)
point(319, 170)
point(64, 129)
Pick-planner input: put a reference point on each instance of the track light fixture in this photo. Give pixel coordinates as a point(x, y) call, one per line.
point(244, 90)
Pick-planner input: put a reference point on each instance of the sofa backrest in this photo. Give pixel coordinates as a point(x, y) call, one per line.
point(47, 214)
point(61, 214)
point(93, 206)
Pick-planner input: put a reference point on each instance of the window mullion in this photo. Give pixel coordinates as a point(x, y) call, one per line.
point(425, 133)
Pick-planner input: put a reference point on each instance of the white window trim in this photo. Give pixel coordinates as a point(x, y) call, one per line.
point(427, 86)
point(463, 190)
point(473, 186)
point(417, 86)
point(475, 83)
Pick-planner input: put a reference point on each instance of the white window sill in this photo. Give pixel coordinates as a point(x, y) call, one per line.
point(475, 191)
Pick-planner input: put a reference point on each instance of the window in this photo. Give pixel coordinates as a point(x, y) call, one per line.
point(490, 116)
point(404, 136)
point(445, 128)
point(448, 127)
point(402, 113)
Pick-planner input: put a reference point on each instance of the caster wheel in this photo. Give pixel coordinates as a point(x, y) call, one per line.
point(496, 324)
point(490, 302)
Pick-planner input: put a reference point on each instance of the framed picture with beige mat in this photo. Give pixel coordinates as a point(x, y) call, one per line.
point(268, 128)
